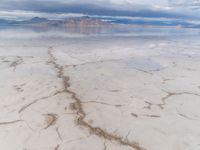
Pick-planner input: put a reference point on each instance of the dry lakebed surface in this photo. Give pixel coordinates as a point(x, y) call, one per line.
point(99, 92)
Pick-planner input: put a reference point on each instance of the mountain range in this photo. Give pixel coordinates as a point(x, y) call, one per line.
point(73, 21)
point(98, 21)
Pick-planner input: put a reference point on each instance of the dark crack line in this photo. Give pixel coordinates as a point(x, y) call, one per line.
point(149, 105)
point(151, 116)
point(37, 62)
point(100, 61)
point(37, 100)
point(144, 71)
point(16, 63)
point(10, 122)
point(170, 94)
point(78, 108)
point(165, 80)
point(144, 115)
point(59, 135)
point(111, 60)
point(134, 115)
point(78, 139)
point(57, 147)
point(183, 115)
point(103, 103)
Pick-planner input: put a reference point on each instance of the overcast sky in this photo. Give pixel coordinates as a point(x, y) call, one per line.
point(20, 9)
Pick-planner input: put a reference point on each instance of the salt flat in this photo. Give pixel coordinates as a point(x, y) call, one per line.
point(99, 93)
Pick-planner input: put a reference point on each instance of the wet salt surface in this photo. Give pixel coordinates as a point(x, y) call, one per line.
point(145, 64)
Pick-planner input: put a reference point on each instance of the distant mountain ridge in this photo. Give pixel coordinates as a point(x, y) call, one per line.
point(73, 21)
point(38, 20)
point(87, 21)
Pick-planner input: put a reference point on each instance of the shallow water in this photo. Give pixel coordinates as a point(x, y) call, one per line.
point(72, 32)
point(145, 64)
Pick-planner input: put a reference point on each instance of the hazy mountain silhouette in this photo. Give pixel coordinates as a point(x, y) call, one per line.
point(96, 21)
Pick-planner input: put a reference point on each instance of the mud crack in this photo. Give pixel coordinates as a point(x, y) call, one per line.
point(51, 120)
point(57, 147)
point(37, 100)
point(11, 122)
point(170, 94)
point(103, 103)
point(78, 108)
point(16, 63)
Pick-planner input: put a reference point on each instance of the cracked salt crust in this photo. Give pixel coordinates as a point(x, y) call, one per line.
point(81, 96)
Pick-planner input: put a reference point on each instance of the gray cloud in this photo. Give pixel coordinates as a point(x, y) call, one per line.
point(133, 8)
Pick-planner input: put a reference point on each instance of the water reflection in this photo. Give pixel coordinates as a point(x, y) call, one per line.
point(82, 31)
point(72, 30)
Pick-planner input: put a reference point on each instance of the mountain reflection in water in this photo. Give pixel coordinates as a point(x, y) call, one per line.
point(84, 31)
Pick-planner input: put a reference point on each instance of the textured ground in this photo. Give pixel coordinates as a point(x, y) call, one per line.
point(100, 94)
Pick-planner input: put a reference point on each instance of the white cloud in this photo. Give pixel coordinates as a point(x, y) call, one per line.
point(22, 15)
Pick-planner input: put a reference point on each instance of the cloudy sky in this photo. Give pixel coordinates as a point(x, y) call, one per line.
point(22, 9)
